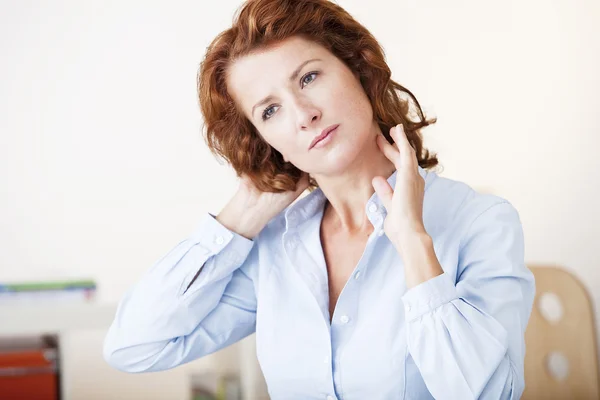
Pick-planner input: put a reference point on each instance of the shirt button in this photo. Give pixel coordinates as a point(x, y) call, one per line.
point(381, 232)
point(330, 398)
point(373, 207)
point(326, 360)
point(357, 275)
point(344, 319)
point(408, 308)
point(219, 240)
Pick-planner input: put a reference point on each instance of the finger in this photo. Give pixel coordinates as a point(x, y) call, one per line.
point(383, 190)
point(408, 157)
point(389, 150)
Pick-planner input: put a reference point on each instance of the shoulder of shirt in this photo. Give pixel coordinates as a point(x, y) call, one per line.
point(454, 205)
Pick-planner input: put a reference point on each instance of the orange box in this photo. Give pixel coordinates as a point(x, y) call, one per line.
point(29, 369)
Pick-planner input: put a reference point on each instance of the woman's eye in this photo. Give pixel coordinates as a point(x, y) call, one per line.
point(304, 81)
point(269, 111)
point(266, 114)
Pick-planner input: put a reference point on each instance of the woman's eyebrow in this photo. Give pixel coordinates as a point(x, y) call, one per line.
point(291, 78)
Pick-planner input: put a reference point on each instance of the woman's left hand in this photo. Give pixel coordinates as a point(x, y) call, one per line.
point(404, 203)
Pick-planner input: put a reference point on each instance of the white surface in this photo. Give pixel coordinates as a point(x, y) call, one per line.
point(103, 169)
point(54, 318)
point(80, 325)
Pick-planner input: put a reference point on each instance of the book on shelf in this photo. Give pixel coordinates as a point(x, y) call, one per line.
point(83, 290)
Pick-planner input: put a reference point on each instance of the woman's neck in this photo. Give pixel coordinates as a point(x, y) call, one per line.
point(347, 194)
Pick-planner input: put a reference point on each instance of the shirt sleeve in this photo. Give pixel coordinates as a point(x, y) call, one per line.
point(163, 321)
point(466, 335)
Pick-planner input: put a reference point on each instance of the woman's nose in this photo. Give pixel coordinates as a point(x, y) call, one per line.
point(307, 114)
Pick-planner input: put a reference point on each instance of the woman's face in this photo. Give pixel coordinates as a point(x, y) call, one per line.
point(291, 92)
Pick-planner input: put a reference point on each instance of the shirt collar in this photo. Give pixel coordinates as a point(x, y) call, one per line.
point(309, 205)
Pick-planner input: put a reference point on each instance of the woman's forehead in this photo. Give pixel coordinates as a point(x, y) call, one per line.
point(285, 53)
point(257, 74)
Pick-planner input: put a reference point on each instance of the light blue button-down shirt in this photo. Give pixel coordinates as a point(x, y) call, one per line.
point(457, 336)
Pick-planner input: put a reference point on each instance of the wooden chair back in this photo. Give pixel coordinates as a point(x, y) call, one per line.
point(561, 360)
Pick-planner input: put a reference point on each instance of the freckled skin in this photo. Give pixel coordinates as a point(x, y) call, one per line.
point(302, 108)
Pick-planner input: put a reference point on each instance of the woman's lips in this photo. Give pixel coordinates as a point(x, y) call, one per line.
point(326, 139)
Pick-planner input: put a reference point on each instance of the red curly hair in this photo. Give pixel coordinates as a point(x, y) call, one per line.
point(261, 23)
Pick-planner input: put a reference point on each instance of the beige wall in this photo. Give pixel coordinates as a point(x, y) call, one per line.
point(103, 170)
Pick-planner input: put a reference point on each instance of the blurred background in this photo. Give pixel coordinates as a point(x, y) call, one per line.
point(103, 168)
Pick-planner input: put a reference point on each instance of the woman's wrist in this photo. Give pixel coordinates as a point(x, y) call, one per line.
point(246, 222)
point(420, 260)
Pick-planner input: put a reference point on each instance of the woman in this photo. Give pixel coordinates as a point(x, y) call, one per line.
point(385, 282)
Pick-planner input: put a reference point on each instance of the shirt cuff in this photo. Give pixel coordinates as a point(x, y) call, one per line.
point(229, 248)
point(213, 236)
point(428, 296)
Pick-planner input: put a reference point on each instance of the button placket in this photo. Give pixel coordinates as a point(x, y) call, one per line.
point(336, 377)
point(314, 277)
point(372, 208)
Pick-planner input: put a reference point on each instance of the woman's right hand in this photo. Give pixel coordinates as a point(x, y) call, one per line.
point(250, 209)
